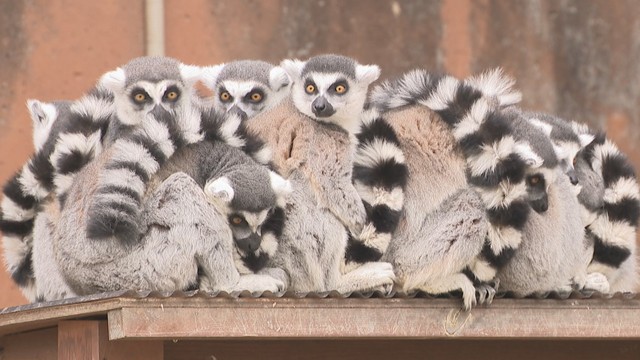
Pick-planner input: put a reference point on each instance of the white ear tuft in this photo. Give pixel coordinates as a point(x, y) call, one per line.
point(367, 73)
point(546, 128)
point(113, 80)
point(210, 75)
point(278, 78)
point(585, 139)
point(280, 185)
point(293, 67)
point(36, 111)
point(190, 73)
point(528, 155)
point(219, 189)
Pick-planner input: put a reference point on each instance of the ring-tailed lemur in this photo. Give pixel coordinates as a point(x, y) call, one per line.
point(311, 136)
point(613, 216)
point(465, 204)
point(553, 255)
point(247, 86)
point(155, 111)
point(67, 135)
point(189, 224)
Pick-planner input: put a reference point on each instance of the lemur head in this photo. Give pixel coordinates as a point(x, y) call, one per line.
point(43, 116)
point(151, 84)
point(331, 88)
point(247, 86)
point(535, 147)
point(249, 196)
point(567, 142)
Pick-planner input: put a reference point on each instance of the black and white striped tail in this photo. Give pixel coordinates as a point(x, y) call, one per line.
point(495, 165)
point(615, 226)
point(49, 171)
point(380, 176)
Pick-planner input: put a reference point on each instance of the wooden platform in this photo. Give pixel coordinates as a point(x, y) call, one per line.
point(187, 326)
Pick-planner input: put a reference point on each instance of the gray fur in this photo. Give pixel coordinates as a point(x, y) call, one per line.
point(330, 64)
point(254, 70)
point(553, 255)
point(182, 231)
point(164, 68)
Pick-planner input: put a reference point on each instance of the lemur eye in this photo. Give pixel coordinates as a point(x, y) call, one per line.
point(225, 96)
point(341, 89)
point(575, 160)
point(534, 180)
point(236, 220)
point(255, 97)
point(171, 95)
point(310, 89)
point(139, 97)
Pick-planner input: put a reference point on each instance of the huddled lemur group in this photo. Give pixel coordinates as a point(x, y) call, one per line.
point(295, 177)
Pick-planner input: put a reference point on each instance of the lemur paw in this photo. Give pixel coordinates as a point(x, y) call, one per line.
point(485, 294)
point(382, 274)
point(597, 282)
point(259, 284)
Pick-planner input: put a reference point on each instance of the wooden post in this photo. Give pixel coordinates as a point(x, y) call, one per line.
point(89, 339)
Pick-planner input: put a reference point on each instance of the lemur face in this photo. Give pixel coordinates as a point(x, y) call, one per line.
point(537, 184)
point(247, 87)
point(331, 88)
point(151, 85)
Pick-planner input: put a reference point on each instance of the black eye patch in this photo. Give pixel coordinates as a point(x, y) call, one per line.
point(236, 220)
point(171, 94)
point(139, 96)
point(256, 95)
point(339, 87)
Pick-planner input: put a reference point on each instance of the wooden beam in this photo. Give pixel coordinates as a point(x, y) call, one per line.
point(39, 344)
point(376, 319)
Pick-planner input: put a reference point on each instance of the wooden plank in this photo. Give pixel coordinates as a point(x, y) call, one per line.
point(39, 344)
point(375, 318)
point(459, 349)
point(79, 340)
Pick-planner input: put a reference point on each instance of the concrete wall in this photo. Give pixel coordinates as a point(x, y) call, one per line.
point(574, 58)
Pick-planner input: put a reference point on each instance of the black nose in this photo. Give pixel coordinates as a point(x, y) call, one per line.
point(237, 111)
point(321, 107)
point(540, 205)
point(573, 176)
point(249, 244)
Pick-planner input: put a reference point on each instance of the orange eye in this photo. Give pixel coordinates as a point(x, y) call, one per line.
point(172, 95)
point(225, 96)
point(341, 89)
point(139, 97)
point(310, 89)
point(534, 180)
point(256, 97)
point(236, 220)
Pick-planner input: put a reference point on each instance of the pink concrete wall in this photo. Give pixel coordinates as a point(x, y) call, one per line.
point(574, 58)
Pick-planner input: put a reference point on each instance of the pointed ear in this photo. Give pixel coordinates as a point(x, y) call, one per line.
point(546, 128)
point(113, 80)
point(210, 75)
point(280, 185)
point(190, 74)
point(36, 110)
point(528, 155)
point(293, 67)
point(367, 73)
point(219, 189)
point(278, 78)
point(585, 139)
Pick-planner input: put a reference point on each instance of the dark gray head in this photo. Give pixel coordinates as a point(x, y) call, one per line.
point(540, 156)
point(247, 86)
point(566, 141)
point(331, 88)
point(248, 195)
point(148, 84)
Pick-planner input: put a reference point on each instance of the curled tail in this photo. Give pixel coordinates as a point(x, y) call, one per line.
point(615, 226)
point(380, 176)
point(49, 171)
